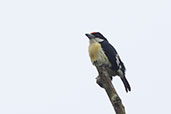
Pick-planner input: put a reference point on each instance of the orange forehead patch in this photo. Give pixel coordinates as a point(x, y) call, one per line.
point(93, 32)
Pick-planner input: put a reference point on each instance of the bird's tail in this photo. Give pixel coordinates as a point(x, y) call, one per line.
point(126, 84)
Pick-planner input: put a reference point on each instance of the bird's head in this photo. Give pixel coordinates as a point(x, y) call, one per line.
point(97, 36)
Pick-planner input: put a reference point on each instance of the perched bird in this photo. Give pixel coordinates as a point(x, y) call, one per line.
point(101, 52)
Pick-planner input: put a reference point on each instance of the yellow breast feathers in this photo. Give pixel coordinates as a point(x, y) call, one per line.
point(94, 49)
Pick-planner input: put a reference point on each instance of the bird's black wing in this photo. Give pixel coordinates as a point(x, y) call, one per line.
point(113, 56)
point(117, 64)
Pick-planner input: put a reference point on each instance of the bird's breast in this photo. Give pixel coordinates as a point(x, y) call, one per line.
point(94, 50)
point(97, 54)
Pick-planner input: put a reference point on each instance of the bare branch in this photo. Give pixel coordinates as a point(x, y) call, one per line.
point(104, 81)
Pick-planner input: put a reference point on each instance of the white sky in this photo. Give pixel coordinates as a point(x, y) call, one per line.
point(44, 62)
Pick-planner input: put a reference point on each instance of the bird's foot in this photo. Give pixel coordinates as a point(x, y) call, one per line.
point(99, 81)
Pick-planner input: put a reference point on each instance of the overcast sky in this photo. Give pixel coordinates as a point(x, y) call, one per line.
point(44, 62)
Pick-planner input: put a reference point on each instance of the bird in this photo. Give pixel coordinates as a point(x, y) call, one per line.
point(101, 52)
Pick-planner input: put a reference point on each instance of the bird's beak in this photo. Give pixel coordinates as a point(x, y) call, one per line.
point(90, 36)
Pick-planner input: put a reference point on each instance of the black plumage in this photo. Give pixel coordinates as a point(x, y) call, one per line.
point(116, 62)
point(111, 54)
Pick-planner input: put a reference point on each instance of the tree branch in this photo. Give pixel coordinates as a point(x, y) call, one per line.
point(104, 81)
